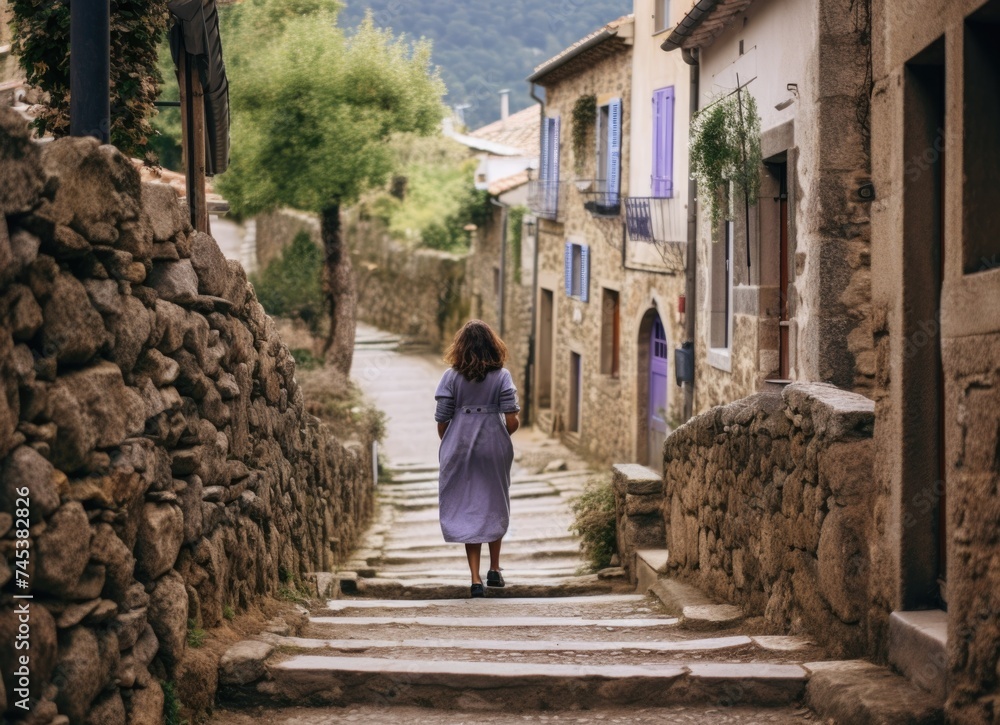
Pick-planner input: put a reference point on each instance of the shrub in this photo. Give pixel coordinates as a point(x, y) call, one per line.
point(594, 522)
point(196, 635)
point(171, 704)
point(292, 285)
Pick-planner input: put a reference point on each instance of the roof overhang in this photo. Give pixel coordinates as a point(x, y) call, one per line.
point(704, 23)
point(609, 40)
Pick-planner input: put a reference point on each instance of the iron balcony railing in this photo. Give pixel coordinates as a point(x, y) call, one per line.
point(545, 198)
point(660, 222)
point(599, 199)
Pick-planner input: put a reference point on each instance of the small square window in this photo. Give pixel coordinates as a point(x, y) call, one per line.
point(661, 19)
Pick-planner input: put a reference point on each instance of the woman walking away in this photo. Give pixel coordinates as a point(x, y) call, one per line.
point(476, 415)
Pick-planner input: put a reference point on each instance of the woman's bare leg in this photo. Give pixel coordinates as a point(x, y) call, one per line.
point(474, 553)
point(495, 554)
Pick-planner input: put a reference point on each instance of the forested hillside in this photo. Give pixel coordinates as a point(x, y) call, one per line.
point(483, 47)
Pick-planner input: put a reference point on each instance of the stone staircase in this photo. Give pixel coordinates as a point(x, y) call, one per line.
point(398, 640)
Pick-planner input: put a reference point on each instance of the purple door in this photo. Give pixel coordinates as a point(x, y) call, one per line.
point(657, 390)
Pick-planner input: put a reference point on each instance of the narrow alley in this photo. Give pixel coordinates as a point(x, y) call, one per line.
point(399, 641)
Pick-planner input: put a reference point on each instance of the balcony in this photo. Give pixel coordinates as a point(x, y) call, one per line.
point(598, 199)
point(661, 223)
point(545, 198)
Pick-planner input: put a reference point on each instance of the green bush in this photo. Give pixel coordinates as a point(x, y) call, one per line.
point(594, 522)
point(292, 285)
point(171, 704)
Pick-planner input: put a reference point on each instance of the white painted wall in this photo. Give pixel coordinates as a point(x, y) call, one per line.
point(652, 69)
point(769, 62)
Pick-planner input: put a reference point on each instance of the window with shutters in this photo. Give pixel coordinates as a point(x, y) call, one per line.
point(544, 192)
point(721, 294)
point(663, 143)
point(577, 267)
point(609, 155)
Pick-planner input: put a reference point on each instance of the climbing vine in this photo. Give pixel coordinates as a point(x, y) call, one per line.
point(515, 230)
point(41, 43)
point(584, 118)
point(725, 149)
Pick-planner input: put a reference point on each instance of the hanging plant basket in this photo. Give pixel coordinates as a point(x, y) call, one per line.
point(725, 150)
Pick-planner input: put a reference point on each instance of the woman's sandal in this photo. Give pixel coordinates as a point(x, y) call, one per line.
point(494, 578)
point(477, 590)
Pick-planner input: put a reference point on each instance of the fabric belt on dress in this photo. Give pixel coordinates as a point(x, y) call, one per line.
point(480, 409)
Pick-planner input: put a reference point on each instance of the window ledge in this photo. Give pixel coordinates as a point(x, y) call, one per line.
point(721, 358)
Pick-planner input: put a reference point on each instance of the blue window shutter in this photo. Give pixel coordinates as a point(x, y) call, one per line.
point(568, 263)
point(614, 150)
point(584, 273)
point(555, 150)
point(543, 162)
point(654, 178)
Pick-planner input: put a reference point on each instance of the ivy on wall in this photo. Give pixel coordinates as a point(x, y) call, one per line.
point(725, 149)
point(41, 43)
point(515, 229)
point(584, 118)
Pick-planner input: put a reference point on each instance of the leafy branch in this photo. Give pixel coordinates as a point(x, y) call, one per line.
point(725, 149)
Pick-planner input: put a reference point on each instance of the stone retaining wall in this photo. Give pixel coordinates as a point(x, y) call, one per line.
point(419, 293)
point(768, 504)
point(638, 511)
point(151, 413)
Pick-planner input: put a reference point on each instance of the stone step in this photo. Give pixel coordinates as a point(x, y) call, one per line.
point(439, 588)
point(453, 552)
point(496, 645)
point(515, 574)
point(495, 622)
point(596, 600)
point(419, 544)
point(332, 680)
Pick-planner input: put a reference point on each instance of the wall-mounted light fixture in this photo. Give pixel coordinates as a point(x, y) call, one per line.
point(530, 227)
point(792, 88)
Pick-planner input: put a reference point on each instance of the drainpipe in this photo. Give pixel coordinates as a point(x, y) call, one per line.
point(529, 371)
point(503, 260)
point(690, 57)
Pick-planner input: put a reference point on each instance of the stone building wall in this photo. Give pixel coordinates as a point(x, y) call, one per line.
point(767, 505)
point(936, 317)
point(151, 415)
point(822, 137)
point(482, 267)
point(614, 408)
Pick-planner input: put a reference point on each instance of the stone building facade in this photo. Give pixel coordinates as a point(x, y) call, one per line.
point(606, 303)
point(936, 319)
point(798, 307)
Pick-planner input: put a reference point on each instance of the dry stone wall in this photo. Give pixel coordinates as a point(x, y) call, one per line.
point(768, 505)
point(420, 293)
point(151, 415)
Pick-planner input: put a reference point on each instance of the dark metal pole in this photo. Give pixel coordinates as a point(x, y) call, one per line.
point(691, 281)
point(90, 69)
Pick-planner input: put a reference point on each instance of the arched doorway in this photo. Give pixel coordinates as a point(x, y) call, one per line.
point(653, 389)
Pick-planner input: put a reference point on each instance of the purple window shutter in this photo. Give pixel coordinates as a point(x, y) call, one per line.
point(663, 143)
point(584, 273)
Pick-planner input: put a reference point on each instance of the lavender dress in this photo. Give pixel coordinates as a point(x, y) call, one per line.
point(475, 456)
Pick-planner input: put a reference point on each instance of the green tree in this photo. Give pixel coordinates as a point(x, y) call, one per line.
point(41, 43)
point(313, 111)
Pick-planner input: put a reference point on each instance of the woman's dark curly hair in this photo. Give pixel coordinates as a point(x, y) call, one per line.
point(476, 350)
